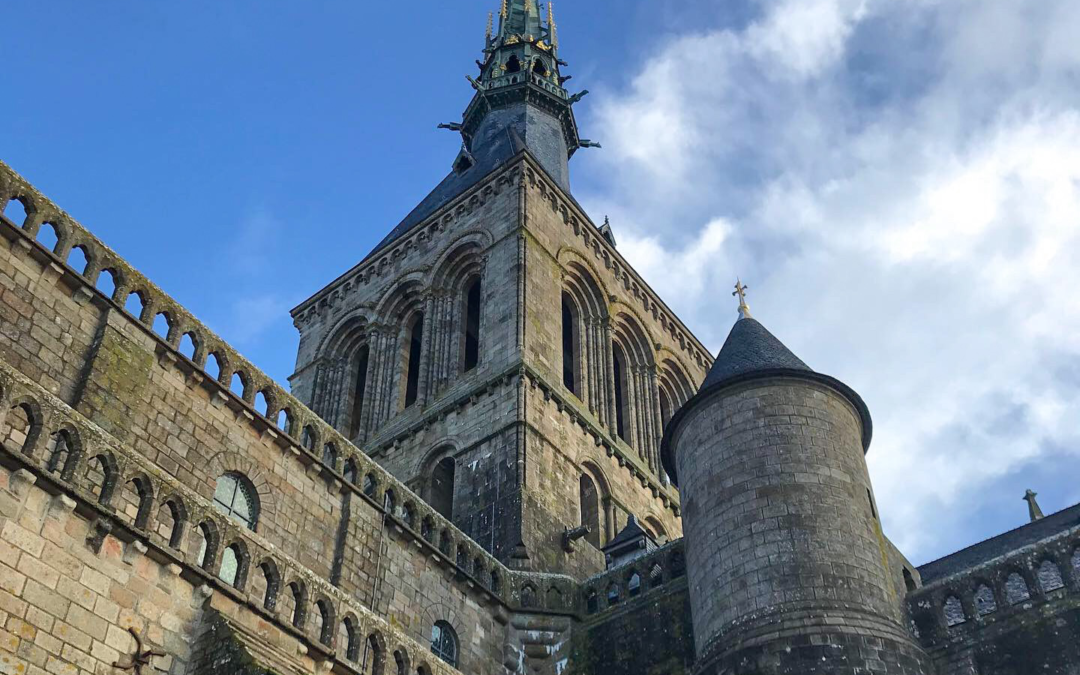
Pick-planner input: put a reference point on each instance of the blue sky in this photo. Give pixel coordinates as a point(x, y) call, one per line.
point(898, 181)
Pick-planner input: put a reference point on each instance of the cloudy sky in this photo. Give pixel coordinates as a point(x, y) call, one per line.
point(898, 181)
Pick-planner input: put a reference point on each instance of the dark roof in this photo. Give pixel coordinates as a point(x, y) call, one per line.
point(631, 533)
point(1001, 545)
point(751, 347)
point(752, 352)
point(487, 158)
point(502, 136)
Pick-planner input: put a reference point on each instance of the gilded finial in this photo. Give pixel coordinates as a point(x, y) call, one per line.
point(551, 26)
point(505, 11)
point(491, 20)
point(740, 290)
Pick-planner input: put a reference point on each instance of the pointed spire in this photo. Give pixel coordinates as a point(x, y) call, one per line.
point(1033, 506)
point(740, 290)
point(490, 25)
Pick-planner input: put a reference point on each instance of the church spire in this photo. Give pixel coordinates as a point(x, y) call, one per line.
point(520, 90)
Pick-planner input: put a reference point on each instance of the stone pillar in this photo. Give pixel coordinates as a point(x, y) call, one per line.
point(785, 557)
point(609, 374)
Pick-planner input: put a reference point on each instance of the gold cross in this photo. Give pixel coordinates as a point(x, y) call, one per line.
point(740, 290)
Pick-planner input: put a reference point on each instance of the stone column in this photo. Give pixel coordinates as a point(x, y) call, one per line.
point(658, 419)
point(425, 351)
point(609, 374)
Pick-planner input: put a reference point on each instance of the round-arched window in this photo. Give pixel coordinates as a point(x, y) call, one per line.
point(444, 643)
point(235, 497)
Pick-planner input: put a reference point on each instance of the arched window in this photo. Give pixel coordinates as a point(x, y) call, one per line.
point(613, 595)
point(589, 506)
point(1016, 589)
point(235, 497)
point(569, 346)
point(1050, 577)
point(444, 643)
point(954, 611)
point(592, 602)
point(513, 65)
point(232, 566)
point(412, 366)
point(330, 455)
point(633, 585)
point(985, 602)
point(374, 656)
point(348, 640)
point(538, 67)
point(618, 367)
point(442, 487)
point(360, 390)
point(472, 325)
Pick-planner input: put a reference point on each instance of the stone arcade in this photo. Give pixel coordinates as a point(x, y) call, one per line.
point(493, 443)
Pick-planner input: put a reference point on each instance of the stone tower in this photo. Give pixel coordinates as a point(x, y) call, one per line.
point(788, 568)
point(494, 351)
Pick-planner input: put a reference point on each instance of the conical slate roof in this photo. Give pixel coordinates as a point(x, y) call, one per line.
point(751, 351)
point(750, 347)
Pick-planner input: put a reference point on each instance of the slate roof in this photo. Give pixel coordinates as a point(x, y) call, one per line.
point(1001, 545)
point(752, 351)
point(750, 347)
point(504, 134)
point(632, 532)
point(488, 158)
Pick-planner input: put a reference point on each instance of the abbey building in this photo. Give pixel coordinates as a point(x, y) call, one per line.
point(500, 452)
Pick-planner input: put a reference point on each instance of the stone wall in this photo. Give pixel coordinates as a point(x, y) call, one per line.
point(637, 619)
point(146, 429)
point(1014, 615)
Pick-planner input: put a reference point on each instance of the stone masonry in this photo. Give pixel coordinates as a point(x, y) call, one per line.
point(479, 408)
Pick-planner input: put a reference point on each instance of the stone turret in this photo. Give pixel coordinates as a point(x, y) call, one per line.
point(787, 564)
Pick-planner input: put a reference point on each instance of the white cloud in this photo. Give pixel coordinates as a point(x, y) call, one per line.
point(899, 183)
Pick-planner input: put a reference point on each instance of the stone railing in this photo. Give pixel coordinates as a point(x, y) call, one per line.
point(278, 415)
point(996, 591)
point(152, 513)
point(648, 573)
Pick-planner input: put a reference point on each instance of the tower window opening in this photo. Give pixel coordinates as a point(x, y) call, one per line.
point(360, 389)
point(569, 347)
point(873, 509)
point(412, 381)
point(589, 505)
point(538, 68)
point(444, 643)
point(619, 372)
point(463, 164)
point(442, 487)
point(513, 65)
point(472, 325)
